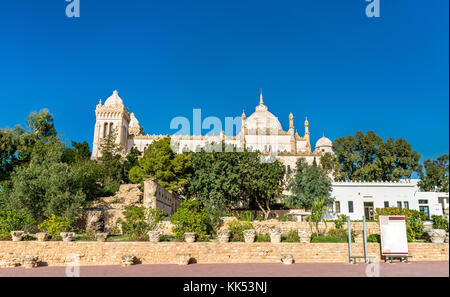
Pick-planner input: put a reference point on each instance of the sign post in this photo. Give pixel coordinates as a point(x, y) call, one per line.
point(394, 242)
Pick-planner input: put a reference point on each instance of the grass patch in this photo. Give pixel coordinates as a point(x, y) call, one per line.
point(262, 238)
point(328, 238)
point(117, 238)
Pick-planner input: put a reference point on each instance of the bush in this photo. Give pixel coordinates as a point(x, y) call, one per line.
point(246, 216)
point(340, 221)
point(236, 228)
point(139, 220)
point(54, 225)
point(191, 217)
point(338, 233)
point(374, 238)
point(291, 236)
point(439, 222)
point(15, 220)
point(414, 220)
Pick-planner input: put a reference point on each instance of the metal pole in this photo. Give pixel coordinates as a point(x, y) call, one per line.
point(365, 239)
point(349, 228)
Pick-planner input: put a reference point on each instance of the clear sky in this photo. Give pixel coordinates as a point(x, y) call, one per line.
point(322, 59)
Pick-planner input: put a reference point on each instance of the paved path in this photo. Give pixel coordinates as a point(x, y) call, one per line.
point(433, 268)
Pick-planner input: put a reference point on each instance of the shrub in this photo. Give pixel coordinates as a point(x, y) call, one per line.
point(374, 238)
point(340, 221)
point(54, 225)
point(191, 217)
point(139, 220)
point(291, 236)
point(338, 233)
point(15, 220)
point(439, 222)
point(414, 220)
point(246, 216)
point(236, 228)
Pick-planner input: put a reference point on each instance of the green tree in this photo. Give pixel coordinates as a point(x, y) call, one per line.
point(308, 184)
point(262, 180)
point(215, 180)
point(45, 186)
point(191, 217)
point(435, 177)
point(131, 160)
point(110, 171)
point(161, 164)
point(366, 157)
point(79, 152)
point(331, 166)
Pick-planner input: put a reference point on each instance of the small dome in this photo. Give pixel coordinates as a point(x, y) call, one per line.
point(133, 121)
point(324, 142)
point(114, 99)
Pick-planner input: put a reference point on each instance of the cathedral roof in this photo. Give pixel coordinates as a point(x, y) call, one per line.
point(324, 142)
point(262, 119)
point(114, 99)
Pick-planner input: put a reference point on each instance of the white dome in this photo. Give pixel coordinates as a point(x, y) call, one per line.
point(114, 99)
point(133, 121)
point(262, 119)
point(324, 142)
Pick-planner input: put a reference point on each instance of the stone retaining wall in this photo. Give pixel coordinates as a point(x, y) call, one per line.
point(109, 253)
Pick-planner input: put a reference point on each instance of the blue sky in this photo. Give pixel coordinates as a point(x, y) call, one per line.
point(321, 59)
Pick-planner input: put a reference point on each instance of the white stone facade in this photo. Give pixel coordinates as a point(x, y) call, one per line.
point(361, 196)
point(260, 131)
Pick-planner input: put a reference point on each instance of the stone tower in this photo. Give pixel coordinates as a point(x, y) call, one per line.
point(111, 116)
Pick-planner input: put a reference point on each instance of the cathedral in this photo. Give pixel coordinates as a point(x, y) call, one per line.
point(260, 131)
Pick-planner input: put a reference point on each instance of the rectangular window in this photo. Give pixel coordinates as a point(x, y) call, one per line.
point(350, 206)
point(425, 210)
point(386, 203)
point(337, 205)
point(423, 201)
point(399, 204)
point(406, 204)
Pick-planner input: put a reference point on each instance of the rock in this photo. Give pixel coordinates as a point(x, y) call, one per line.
point(30, 262)
point(287, 259)
point(101, 237)
point(17, 235)
point(249, 235)
point(95, 221)
point(41, 236)
point(183, 259)
point(128, 260)
point(154, 236)
point(11, 263)
point(437, 235)
point(275, 235)
point(446, 238)
point(190, 236)
point(427, 226)
point(305, 236)
point(67, 236)
point(224, 235)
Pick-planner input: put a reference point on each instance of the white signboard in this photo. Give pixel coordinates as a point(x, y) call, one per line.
point(394, 241)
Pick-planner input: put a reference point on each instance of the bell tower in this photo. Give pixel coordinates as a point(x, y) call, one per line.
point(109, 117)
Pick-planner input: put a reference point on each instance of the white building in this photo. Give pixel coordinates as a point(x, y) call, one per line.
point(356, 199)
point(260, 131)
